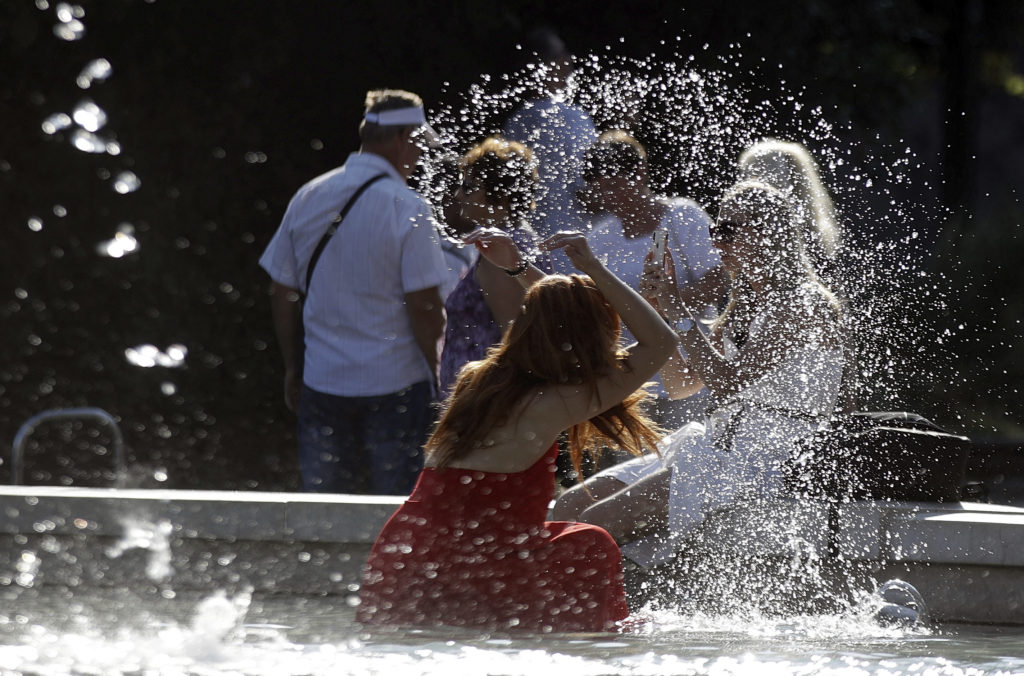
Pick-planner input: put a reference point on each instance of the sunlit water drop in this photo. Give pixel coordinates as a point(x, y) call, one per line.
point(96, 70)
point(70, 26)
point(56, 122)
point(89, 116)
point(126, 182)
point(148, 356)
point(70, 30)
point(88, 142)
point(122, 244)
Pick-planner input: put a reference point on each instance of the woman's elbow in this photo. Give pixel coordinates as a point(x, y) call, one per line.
point(667, 343)
point(678, 391)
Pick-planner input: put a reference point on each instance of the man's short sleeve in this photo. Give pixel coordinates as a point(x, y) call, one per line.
point(423, 262)
point(279, 259)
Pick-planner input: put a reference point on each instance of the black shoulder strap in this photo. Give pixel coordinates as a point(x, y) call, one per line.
point(333, 227)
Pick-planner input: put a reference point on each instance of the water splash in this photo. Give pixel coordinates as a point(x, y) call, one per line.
point(154, 538)
point(695, 121)
point(217, 620)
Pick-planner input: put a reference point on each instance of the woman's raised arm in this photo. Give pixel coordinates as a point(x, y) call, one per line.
point(655, 340)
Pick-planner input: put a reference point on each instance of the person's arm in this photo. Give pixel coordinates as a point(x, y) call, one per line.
point(658, 287)
point(706, 291)
point(502, 293)
point(789, 323)
point(655, 340)
point(679, 378)
point(784, 328)
point(285, 308)
point(426, 317)
point(498, 247)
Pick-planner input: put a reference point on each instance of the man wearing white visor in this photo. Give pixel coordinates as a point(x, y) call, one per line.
point(356, 265)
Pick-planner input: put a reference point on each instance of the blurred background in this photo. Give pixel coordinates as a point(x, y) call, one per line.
point(149, 149)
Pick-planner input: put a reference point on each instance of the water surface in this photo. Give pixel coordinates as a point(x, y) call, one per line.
point(119, 631)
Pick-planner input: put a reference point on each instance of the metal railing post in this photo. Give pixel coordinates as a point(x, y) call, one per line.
point(29, 426)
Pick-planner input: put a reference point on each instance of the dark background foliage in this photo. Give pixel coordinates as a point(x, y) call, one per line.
point(224, 108)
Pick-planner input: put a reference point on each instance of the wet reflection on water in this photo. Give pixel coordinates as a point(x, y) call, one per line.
point(118, 631)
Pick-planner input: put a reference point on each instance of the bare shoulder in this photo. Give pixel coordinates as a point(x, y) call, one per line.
point(557, 407)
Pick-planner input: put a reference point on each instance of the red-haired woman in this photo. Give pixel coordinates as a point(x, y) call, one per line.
point(471, 547)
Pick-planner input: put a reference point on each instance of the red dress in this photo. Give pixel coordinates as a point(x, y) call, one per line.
point(471, 548)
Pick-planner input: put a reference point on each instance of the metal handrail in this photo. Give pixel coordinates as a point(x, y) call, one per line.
point(29, 426)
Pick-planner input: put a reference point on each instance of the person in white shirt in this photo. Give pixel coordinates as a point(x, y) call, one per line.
point(557, 132)
point(372, 315)
point(629, 212)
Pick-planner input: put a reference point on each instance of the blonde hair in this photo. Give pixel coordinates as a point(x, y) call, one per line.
point(773, 215)
point(567, 333)
point(506, 169)
point(788, 167)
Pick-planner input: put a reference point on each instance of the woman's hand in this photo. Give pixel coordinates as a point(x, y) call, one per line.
point(576, 247)
point(497, 246)
point(658, 286)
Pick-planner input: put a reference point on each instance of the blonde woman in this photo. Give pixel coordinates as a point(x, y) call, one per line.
point(789, 168)
point(773, 362)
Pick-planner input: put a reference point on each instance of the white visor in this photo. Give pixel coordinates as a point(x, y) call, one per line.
point(413, 116)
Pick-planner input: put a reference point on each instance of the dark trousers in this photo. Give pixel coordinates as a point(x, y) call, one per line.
point(364, 445)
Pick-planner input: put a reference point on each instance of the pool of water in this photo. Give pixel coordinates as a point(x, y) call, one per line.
point(157, 632)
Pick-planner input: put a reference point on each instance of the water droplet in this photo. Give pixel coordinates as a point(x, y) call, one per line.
point(70, 30)
point(126, 182)
point(89, 116)
point(96, 70)
point(88, 142)
point(56, 122)
point(122, 244)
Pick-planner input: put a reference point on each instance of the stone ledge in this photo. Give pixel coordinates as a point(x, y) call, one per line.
point(196, 514)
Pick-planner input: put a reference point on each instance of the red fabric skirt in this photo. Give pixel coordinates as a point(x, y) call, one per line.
point(471, 548)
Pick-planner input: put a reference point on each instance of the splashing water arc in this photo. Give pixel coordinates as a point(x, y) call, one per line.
point(694, 124)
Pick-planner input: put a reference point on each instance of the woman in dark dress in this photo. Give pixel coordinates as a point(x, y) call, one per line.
point(471, 547)
point(499, 180)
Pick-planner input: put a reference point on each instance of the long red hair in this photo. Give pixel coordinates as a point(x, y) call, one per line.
point(567, 332)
